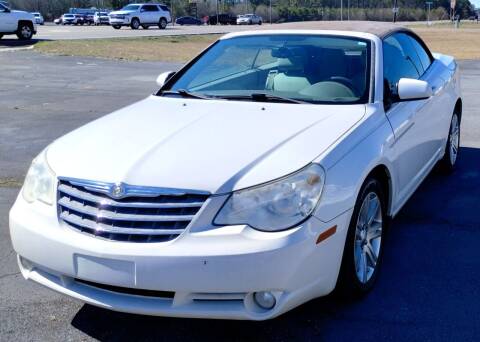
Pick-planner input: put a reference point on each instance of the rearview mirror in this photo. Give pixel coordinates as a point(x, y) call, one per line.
point(164, 77)
point(412, 89)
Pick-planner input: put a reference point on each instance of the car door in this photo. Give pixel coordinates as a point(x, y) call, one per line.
point(7, 20)
point(438, 76)
point(153, 14)
point(410, 120)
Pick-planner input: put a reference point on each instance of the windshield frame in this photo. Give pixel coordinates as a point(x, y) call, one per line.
point(368, 96)
point(131, 9)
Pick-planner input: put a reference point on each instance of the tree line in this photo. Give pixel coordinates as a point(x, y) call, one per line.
point(282, 10)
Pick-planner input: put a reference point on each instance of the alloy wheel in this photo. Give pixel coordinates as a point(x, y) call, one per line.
point(368, 237)
point(26, 31)
point(454, 139)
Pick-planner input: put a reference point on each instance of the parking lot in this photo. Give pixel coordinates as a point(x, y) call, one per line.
point(428, 289)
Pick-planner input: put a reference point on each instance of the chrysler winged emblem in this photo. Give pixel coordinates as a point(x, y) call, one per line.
point(117, 190)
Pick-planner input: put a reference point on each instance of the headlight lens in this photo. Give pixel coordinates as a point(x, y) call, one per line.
point(276, 206)
point(39, 182)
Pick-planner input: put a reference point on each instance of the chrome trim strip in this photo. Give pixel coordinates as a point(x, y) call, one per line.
point(63, 188)
point(131, 190)
point(103, 228)
point(110, 215)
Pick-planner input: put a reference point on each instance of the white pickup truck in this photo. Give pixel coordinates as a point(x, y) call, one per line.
point(17, 22)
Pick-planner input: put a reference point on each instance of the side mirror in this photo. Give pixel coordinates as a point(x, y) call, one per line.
point(164, 77)
point(411, 89)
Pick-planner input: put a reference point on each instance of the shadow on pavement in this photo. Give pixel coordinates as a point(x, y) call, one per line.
point(428, 288)
point(16, 43)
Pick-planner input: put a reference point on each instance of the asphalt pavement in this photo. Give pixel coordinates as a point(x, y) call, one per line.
point(428, 289)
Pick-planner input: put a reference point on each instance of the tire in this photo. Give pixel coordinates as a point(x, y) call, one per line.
point(1, 36)
point(145, 27)
point(162, 24)
point(449, 160)
point(364, 242)
point(135, 24)
point(259, 23)
point(116, 27)
point(25, 31)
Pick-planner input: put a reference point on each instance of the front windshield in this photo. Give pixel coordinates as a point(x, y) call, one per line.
point(131, 8)
point(311, 68)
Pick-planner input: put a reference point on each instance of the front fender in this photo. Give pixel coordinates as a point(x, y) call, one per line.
point(350, 162)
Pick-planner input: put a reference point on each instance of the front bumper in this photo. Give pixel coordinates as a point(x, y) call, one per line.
point(118, 21)
point(212, 273)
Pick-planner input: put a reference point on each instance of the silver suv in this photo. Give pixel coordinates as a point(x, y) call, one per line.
point(144, 15)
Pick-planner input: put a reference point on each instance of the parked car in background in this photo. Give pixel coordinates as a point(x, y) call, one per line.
point(21, 23)
point(38, 18)
point(141, 15)
point(188, 21)
point(249, 19)
point(223, 19)
point(261, 175)
point(88, 19)
point(69, 19)
point(101, 18)
point(58, 21)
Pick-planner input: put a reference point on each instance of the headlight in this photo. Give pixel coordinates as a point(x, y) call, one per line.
point(277, 205)
point(39, 182)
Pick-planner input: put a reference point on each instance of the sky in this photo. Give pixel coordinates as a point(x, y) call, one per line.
point(476, 3)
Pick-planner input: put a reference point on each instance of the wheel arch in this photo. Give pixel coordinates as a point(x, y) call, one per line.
point(24, 21)
point(383, 175)
point(458, 108)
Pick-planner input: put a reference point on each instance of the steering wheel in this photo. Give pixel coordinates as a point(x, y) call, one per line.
point(345, 81)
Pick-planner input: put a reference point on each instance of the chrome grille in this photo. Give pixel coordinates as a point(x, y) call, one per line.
point(140, 214)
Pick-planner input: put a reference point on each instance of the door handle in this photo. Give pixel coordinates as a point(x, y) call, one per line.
point(404, 127)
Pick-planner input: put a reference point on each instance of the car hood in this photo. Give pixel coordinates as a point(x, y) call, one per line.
point(121, 12)
point(209, 145)
point(22, 14)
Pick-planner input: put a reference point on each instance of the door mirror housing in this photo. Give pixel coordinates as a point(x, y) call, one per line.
point(409, 89)
point(164, 77)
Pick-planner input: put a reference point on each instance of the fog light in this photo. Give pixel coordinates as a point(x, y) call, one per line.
point(265, 300)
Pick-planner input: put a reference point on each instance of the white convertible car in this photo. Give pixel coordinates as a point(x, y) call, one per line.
point(261, 175)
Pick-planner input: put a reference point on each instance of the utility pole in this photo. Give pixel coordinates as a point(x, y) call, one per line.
point(348, 10)
point(341, 10)
point(395, 10)
point(429, 4)
point(216, 3)
point(270, 12)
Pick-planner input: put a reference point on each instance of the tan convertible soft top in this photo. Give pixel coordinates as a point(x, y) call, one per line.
point(377, 28)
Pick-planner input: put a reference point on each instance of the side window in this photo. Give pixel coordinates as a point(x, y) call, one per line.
point(397, 64)
point(149, 8)
point(422, 53)
point(410, 52)
point(165, 8)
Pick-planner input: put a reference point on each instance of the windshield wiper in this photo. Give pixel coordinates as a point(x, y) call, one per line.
point(262, 97)
point(186, 94)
